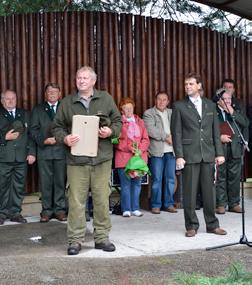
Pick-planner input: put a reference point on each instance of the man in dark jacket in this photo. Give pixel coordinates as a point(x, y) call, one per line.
point(196, 142)
point(85, 172)
point(50, 156)
point(230, 111)
point(16, 150)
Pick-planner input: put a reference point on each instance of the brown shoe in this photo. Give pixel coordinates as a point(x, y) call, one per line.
point(220, 210)
point(217, 231)
point(171, 210)
point(61, 217)
point(44, 218)
point(191, 233)
point(236, 209)
point(155, 211)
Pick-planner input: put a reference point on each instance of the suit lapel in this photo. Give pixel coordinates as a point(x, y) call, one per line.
point(19, 115)
point(7, 115)
point(219, 113)
point(204, 107)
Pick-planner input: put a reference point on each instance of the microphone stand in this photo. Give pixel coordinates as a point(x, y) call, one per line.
point(244, 143)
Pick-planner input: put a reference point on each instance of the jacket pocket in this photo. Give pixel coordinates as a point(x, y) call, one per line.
point(186, 141)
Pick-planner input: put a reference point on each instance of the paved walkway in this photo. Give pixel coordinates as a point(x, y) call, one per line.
point(146, 236)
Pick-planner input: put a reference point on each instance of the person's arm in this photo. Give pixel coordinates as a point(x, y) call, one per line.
point(59, 125)
point(145, 141)
point(176, 132)
point(216, 135)
point(250, 123)
point(35, 128)
point(31, 157)
point(153, 131)
point(115, 117)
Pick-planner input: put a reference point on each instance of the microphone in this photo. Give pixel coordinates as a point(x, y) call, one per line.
point(218, 94)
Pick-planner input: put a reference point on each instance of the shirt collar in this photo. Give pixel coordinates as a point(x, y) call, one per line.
point(55, 104)
point(195, 100)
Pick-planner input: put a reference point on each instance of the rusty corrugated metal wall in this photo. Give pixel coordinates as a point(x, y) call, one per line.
point(132, 55)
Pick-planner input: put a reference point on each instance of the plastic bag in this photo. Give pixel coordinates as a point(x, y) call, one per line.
point(136, 166)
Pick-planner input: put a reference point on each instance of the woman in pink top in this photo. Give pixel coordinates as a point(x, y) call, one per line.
point(133, 136)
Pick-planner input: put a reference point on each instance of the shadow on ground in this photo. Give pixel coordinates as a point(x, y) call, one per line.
point(44, 239)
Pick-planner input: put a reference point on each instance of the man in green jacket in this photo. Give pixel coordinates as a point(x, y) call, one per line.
point(16, 151)
point(50, 156)
point(84, 172)
point(196, 142)
point(229, 173)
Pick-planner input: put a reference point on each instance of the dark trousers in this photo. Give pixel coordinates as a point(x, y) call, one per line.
point(12, 188)
point(194, 176)
point(52, 174)
point(228, 181)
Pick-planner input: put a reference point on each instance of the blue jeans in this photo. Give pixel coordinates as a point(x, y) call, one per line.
point(162, 176)
point(130, 191)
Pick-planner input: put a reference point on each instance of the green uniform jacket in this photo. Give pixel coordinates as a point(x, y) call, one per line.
point(41, 124)
point(15, 150)
point(242, 121)
point(195, 139)
point(101, 104)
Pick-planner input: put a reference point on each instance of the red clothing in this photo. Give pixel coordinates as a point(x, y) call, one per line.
point(123, 150)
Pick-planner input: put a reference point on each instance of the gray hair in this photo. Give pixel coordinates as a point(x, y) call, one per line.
point(4, 92)
point(87, 68)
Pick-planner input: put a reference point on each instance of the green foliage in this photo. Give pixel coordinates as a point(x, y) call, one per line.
point(8, 7)
point(235, 275)
point(178, 10)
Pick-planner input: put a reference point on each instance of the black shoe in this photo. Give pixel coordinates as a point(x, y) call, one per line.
point(74, 248)
point(2, 221)
point(18, 219)
point(105, 246)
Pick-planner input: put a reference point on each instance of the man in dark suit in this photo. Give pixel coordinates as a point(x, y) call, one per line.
point(229, 173)
point(196, 142)
point(50, 156)
point(16, 150)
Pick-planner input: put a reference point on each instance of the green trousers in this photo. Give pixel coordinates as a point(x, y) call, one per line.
point(81, 179)
point(12, 188)
point(52, 175)
point(228, 182)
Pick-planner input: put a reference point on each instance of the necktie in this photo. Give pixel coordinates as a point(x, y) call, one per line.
point(12, 114)
point(224, 115)
point(53, 110)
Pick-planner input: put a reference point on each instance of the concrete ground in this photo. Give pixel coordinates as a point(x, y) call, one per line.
point(150, 250)
point(150, 235)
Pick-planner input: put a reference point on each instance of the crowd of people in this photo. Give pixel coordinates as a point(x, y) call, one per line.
point(199, 137)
